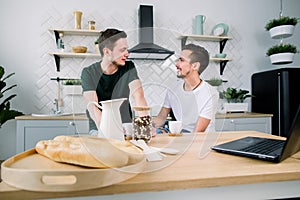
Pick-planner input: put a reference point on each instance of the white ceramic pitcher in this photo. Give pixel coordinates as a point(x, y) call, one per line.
point(111, 123)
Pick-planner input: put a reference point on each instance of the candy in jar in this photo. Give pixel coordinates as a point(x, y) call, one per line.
point(142, 123)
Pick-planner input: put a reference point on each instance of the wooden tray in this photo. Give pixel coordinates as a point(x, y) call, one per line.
point(32, 171)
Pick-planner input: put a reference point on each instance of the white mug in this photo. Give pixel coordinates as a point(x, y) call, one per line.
point(175, 126)
point(128, 127)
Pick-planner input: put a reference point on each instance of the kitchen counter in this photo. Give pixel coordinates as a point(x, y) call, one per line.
point(244, 122)
point(242, 115)
point(197, 167)
point(83, 116)
point(58, 117)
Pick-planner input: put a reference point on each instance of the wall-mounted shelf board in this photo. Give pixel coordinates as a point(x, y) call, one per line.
point(58, 55)
point(206, 37)
point(220, 59)
point(75, 55)
point(221, 39)
point(77, 32)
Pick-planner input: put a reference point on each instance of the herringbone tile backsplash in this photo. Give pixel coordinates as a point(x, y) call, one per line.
point(156, 76)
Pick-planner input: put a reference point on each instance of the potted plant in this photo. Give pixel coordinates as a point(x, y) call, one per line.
point(5, 112)
point(215, 81)
point(282, 53)
point(72, 87)
point(235, 99)
point(282, 27)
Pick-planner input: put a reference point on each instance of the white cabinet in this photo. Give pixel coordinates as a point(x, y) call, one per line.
point(244, 122)
point(29, 132)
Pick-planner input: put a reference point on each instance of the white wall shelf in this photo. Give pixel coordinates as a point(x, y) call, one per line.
point(211, 38)
point(80, 32)
point(221, 39)
point(76, 32)
point(75, 55)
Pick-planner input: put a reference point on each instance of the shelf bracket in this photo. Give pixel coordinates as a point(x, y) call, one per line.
point(222, 45)
point(57, 62)
point(183, 41)
point(222, 66)
point(56, 34)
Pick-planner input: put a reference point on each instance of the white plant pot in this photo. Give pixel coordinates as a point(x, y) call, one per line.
point(283, 31)
point(73, 89)
point(282, 58)
point(235, 107)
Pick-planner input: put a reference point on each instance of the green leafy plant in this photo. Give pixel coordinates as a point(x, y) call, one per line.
point(281, 21)
point(5, 112)
point(234, 95)
point(215, 81)
point(281, 48)
point(72, 82)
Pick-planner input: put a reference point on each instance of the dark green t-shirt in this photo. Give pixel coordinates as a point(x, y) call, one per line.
point(107, 87)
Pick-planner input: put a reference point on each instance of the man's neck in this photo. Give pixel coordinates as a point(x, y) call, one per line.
point(191, 83)
point(108, 67)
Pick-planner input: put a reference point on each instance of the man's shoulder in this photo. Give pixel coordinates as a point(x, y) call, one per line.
point(92, 69)
point(206, 88)
point(93, 66)
point(128, 68)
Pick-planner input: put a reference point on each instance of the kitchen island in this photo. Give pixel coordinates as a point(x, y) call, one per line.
point(31, 129)
point(197, 170)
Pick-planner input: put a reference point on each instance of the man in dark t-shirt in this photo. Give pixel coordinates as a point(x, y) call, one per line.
point(111, 78)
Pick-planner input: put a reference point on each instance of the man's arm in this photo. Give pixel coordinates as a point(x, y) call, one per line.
point(201, 124)
point(95, 113)
point(161, 118)
point(136, 90)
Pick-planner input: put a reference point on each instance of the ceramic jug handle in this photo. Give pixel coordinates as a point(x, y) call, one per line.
point(93, 102)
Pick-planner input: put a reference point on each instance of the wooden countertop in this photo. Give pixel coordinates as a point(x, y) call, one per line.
point(242, 115)
point(63, 117)
point(191, 169)
point(84, 117)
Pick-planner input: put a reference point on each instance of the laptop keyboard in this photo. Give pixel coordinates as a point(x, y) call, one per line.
point(264, 147)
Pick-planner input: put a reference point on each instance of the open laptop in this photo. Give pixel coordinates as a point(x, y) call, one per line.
point(263, 148)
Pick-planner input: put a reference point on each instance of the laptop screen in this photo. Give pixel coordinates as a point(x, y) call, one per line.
point(292, 145)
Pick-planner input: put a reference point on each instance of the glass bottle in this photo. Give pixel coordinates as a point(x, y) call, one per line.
point(142, 123)
point(60, 42)
point(91, 25)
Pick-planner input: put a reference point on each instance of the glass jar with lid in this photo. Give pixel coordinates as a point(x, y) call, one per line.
point(91, 25)
point(142, 123)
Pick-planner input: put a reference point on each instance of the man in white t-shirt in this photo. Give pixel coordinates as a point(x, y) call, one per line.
point(192, 100)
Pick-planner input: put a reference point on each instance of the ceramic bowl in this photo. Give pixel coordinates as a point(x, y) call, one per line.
point(220, 55)
point(220, 29)
point(79, 49)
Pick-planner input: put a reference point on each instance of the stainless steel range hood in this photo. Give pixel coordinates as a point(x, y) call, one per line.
point(146, 49)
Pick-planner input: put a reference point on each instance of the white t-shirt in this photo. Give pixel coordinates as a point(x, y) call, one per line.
point(187, 106)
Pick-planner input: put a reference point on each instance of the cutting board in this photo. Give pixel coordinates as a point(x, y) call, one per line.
point(32, 171)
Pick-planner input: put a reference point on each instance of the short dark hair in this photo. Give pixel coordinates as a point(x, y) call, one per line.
point(108, 38)
point(199, 54)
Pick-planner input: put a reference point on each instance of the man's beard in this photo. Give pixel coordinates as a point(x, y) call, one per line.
point(181, 75)
point(116, 64)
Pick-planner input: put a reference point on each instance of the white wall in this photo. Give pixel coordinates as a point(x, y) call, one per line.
point(22, 32)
